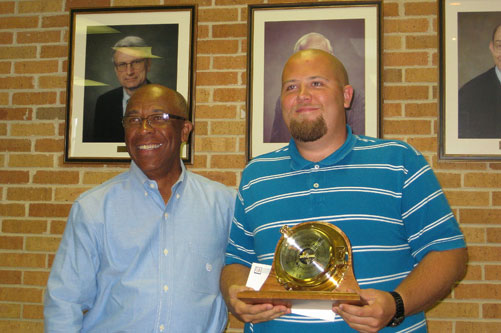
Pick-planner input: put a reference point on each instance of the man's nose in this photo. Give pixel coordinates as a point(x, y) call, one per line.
point(303, 92)
point(145, 126)
point(129, 69)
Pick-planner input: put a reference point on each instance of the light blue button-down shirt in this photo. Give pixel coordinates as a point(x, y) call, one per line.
point(134, 264)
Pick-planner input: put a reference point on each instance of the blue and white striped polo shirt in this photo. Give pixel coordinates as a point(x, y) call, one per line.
point(381, 193)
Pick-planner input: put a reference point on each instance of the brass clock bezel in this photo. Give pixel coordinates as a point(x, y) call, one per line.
point(340, 257)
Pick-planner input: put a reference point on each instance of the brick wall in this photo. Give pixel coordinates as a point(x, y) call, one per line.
point(37, 188)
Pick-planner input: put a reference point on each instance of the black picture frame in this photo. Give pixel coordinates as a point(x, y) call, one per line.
point(465, 31)
point(170, 30)
point(354, 26)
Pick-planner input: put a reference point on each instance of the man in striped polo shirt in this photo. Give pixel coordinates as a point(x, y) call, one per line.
point(408, 250)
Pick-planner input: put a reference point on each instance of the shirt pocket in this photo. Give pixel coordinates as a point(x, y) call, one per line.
point(206, 265)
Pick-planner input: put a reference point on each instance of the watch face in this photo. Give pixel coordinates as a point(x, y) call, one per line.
point(312, 256)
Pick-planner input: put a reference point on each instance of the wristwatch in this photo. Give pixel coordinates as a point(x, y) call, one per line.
point(400, 312)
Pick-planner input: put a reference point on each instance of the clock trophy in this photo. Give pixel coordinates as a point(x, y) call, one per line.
point(312, 261)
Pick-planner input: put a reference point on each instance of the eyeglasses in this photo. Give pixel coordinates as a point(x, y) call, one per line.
point(154, 120)
point(497, 46)
point(134, 64)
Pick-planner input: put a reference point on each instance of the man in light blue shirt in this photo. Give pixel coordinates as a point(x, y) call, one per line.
point(143, 251)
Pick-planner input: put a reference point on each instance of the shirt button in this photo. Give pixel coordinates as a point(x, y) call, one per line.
point(208, 267)
point(316, 185)
point(165, 252)
point(166, 288)
point(162, 327)
point(166, 215)
point(145, 193)
point(177, 196)
point(317, 166)
point(152, 185)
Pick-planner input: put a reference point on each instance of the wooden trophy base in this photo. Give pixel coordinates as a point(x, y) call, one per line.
point(274, 293)
point(337, 286)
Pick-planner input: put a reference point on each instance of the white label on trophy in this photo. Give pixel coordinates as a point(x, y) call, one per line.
point(257, 275)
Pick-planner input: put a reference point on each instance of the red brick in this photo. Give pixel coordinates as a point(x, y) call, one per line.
point(217, 78)
point(35, 67)
point(42, 244)
point(19, 260)
point(407, 127)
point(406, 25)
point(38, 6)
point(52, 81)
point(38, 37)
point(483, 253)
point(57, 227)
point(229, 94)
point(12, 209)
point(11, 243)
point(49, 145)
point(406, 59)
point(35, 278)
point(31, 160)
point(56, 21)
point(390, 9)
point(29, 194)
point(229, 30)
point(32, 311)
point(33, 295)
point(19, 22)
point(24, 226)
point(14, 177)
point(18, 52)
point(87, 3)
point(5, 67)
point(6, 38)
point(7, 7)
point(214, 111)
point(217, 14)
point(49, 210)
point(420, 8)
point(15, 114)
point(53, 51)
point(483, 327)
point(18, 145)
point(10, 277)
point(217, 46)
point(480, 216)
point(34, 98)
point(21, 326)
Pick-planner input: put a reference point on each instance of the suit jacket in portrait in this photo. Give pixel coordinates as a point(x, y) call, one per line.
point(108, 117)
point(480, 107)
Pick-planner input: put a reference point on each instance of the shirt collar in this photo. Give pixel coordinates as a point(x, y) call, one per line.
point(125, 100)
point(498, 73)
point(298, 162)
point(139, 175)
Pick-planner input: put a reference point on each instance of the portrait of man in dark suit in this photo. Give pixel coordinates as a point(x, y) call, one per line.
point(119, 63)
point(132, 62)
point(479, 100)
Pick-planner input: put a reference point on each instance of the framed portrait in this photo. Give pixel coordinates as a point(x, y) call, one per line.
point(348, 29)
point(470, 79)
point(113, 51)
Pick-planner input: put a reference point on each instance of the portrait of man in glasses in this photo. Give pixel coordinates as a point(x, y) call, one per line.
point(131, 59)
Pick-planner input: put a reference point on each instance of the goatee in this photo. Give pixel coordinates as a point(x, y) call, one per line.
point(307, 131)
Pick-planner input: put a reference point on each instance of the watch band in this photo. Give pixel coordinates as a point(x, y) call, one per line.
point(400, 311)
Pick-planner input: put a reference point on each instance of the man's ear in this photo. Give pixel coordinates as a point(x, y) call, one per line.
point(348, 95)
point(186, 130)
point(148, 64)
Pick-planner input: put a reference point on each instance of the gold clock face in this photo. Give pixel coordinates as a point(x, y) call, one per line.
point(306, 255)
point(312, 255)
